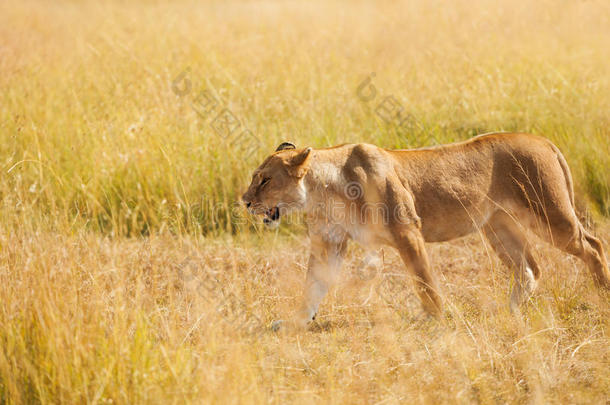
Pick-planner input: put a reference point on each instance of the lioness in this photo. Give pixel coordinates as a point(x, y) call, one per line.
point(498, 183)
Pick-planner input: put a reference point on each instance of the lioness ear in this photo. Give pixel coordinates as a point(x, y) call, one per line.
point(299, 164)
point(285, 145)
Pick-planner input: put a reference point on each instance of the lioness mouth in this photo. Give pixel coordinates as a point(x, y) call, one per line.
point(271, 216)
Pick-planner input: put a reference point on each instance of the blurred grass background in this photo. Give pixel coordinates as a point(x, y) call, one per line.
point(92, 134)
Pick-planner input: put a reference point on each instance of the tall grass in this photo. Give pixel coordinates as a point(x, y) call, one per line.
point(94, 135)
point(100, 320)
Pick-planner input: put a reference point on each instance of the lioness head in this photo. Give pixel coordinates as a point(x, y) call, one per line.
point(277, 184)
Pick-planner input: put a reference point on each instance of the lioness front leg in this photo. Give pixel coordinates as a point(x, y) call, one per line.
point(322, 272)
point(405, 228)
point(410, 244)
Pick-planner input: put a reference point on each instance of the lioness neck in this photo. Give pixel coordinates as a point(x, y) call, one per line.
point(324, 178)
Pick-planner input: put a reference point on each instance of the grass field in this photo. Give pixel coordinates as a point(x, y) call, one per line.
point(129, 273)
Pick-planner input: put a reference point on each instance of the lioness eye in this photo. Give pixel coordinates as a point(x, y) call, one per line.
point(265, 181)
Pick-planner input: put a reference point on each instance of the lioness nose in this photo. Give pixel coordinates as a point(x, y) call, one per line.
point(246, 200)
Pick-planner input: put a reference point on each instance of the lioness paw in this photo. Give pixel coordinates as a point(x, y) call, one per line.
point(276, 325)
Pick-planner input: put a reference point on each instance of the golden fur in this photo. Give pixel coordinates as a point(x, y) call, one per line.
point(499, 184)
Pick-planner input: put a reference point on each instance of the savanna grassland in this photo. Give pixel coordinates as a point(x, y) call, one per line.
point(128, 131)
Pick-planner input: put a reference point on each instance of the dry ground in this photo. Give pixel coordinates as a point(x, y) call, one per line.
point(168, 320)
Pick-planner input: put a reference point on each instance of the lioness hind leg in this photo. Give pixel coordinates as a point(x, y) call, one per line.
point(597, 258)
point(560, 227)
point(571, 237)
point(513, 249)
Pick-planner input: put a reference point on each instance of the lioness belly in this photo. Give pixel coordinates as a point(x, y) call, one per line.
point(454, 225)
point(453, 213)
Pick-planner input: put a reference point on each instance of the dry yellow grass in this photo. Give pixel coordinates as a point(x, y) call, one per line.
point(87, 319)
point(122, 254)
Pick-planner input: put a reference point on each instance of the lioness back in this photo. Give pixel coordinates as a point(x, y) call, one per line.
point(457, 187)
